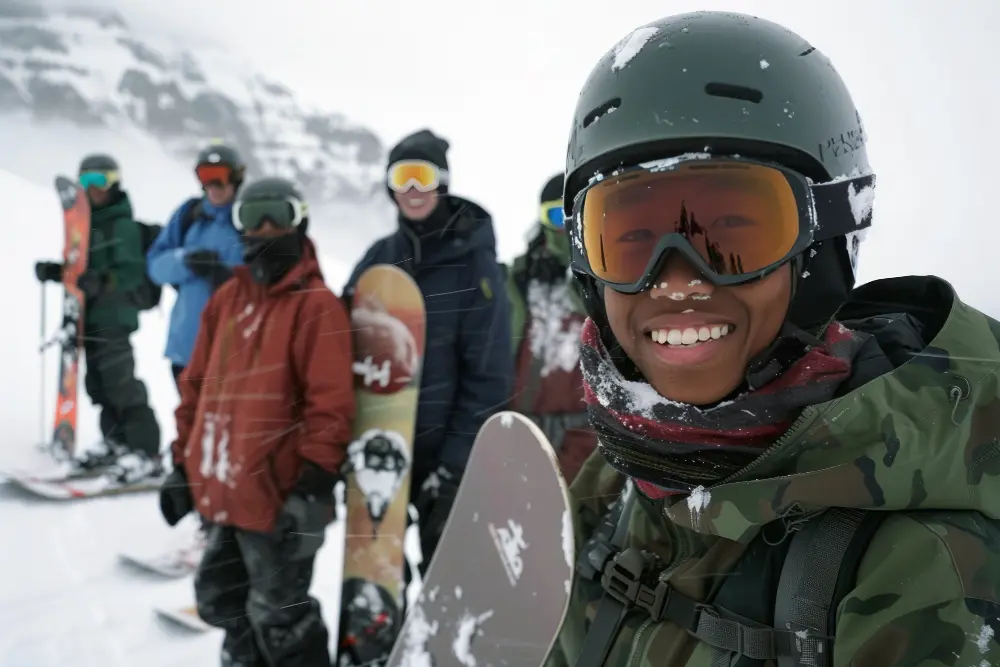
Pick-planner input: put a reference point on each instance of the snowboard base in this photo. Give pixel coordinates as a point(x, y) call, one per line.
point(185, 617)
point(498, 586)
point(80, 487)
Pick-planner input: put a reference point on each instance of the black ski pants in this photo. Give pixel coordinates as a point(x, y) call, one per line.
point(111, 383)
point(247, 585)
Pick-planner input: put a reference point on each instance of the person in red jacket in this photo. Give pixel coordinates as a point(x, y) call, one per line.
point(266, 414)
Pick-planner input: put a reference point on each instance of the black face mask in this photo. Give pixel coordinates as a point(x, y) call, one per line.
point(270, 259)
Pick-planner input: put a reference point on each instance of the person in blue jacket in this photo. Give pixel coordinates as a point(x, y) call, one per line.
point(448, 245)
point(197, 249)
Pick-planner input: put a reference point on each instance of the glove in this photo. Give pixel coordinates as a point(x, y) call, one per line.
point(433, 505)
point(207, 264)
point(307, 512)
point(48, 272)
point(175, 496)
point(91, 284)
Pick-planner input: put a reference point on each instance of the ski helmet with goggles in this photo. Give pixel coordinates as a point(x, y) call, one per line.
point(274, 200)
point(221, 164)
point(99, 171)
point(729, 139)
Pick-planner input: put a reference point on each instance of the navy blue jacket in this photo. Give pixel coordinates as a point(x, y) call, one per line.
point(468, 368)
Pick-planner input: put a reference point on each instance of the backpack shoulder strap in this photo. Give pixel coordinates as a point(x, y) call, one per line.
point(192, 212)
point(611, 611)
point(819, 570)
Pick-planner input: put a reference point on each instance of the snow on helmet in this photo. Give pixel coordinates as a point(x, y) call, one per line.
point(725, 84)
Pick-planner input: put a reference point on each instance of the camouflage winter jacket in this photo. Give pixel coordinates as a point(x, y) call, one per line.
point(921, 442)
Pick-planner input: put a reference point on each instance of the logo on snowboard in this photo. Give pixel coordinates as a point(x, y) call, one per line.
point(387, 345)
point(510, 542)
point(379, 461)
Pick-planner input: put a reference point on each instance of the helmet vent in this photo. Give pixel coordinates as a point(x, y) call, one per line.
point(807, 51)
point(734, 92)
point(601, 111)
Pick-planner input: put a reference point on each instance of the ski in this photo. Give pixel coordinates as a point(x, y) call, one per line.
point(185, 617)
point(388, 318)
point(172, 563)
point(76, 248)
point(499, 584)
point(83, 487)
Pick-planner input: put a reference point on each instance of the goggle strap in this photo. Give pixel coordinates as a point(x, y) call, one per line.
point(838, 202)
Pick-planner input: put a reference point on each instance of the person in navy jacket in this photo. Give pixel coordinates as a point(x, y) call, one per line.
point(448, 245)
point(197, 249)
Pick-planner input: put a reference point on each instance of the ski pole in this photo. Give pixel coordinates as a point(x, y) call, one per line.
point(41, 356)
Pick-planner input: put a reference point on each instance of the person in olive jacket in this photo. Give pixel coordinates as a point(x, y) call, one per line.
point(115, 270)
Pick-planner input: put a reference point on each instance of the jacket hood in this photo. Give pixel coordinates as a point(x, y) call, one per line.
point(120, 208)
point(925, 435)
point(466, 228)
point(305, 271)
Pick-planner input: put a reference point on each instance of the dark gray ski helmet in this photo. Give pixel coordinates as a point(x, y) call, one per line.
point(218, 153)
point(726, 84)
point(273, 189)
point(98, 162)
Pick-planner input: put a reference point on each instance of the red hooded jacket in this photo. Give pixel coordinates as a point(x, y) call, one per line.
point(269, 386)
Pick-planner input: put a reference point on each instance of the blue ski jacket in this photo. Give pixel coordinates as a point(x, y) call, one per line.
point(211, 230)
point(468, 368)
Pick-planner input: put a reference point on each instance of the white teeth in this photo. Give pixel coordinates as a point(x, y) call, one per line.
point(416, 202)
point(689, 336)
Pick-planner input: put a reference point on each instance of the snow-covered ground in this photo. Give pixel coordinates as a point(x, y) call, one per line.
point(64, 598)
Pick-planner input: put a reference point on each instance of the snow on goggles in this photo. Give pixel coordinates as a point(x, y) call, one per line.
point(213, 174)
point(733, 219)
point(419, 174)
point(552, 214)
point(251, 215)
point(102, 180)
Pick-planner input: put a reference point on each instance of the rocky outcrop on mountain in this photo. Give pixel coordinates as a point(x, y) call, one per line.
point(86, 67)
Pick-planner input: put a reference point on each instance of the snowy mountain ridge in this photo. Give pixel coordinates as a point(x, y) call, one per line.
point(86, 66)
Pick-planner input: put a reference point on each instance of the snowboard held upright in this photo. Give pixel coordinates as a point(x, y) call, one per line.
point(388, 320)
point(499, 585)
point(76, 248)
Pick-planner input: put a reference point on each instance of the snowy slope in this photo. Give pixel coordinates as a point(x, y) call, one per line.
point(64, 600)
point(89, 67)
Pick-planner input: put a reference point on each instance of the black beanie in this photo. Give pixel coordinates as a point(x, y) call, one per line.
point(422, 145)
point(553, 190)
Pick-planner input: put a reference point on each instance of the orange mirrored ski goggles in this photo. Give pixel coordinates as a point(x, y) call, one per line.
point(735, 220)
point(419, 174)
point(214, 174)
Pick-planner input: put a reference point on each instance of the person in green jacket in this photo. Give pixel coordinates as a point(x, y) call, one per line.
point(792, 470)
point(546, 317)
point(115, 270)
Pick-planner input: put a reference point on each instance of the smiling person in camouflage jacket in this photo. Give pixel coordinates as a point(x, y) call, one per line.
point(546, 317)
point(809, 468)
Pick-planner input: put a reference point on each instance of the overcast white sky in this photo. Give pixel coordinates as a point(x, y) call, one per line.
point(499, 79)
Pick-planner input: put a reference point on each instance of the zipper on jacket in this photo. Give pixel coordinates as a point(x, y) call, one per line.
point(807, 414)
